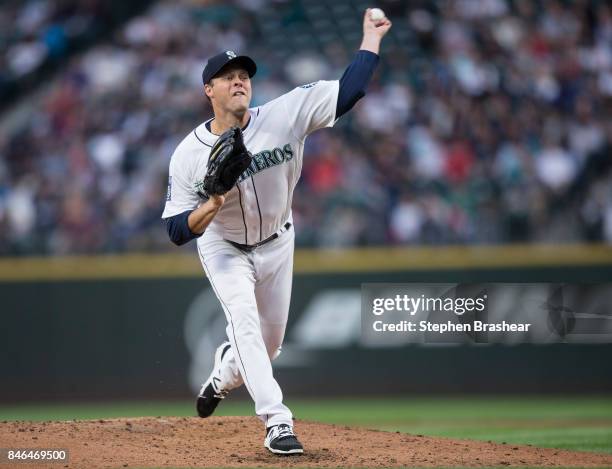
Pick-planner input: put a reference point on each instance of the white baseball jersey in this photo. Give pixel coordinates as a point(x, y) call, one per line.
point(260, 203)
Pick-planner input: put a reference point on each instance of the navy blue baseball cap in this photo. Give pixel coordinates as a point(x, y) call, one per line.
point(217, 62)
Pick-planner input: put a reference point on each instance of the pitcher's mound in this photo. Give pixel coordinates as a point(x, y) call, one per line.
point(238, 441)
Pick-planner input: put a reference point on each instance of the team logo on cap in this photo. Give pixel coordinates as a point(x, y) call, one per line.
point(230, 54)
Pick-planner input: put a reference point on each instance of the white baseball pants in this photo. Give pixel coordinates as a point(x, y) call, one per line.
point(254, 290)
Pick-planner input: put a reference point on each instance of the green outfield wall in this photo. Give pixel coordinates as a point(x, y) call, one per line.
point(145, 327)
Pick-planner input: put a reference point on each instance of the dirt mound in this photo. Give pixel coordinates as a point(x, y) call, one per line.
point(238, 442)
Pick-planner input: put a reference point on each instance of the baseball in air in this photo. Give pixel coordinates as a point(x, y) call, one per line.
point(376, 14)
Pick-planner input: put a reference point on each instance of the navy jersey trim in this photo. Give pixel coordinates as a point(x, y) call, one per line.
point(258, 209)
point(208, 122)
point(201, 141)
point(246, 231)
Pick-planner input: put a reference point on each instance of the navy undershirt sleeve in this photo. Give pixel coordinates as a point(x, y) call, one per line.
point(355, 80)
point(178, 228)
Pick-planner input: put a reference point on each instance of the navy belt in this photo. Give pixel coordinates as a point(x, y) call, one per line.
point(250, 247)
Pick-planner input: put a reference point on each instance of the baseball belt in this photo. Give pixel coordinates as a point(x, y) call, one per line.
point(250, 247)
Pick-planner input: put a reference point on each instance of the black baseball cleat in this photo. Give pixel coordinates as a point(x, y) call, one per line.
point(280, 439)
point(210, 394)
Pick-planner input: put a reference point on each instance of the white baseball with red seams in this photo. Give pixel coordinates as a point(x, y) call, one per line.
point(254, 288)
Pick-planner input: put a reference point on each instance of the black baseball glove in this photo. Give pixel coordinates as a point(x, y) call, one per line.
point(228, 159)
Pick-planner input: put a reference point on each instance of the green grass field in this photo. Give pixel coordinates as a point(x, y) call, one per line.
point(575, 423)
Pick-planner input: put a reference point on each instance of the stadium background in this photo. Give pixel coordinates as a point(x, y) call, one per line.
point(481, 153)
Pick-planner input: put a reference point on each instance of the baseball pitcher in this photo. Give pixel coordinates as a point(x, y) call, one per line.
point(230, 186)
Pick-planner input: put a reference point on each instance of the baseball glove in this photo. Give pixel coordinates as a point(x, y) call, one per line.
point(228, 159)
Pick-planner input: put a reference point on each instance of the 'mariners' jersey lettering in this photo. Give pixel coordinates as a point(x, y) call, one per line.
point(268, 158)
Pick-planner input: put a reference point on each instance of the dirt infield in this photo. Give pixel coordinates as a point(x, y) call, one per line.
point(238, 442)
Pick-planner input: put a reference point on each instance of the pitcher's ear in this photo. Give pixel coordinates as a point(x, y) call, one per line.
point(207, 90)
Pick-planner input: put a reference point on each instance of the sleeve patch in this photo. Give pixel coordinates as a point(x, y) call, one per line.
point(309, 85)
point(169, 192)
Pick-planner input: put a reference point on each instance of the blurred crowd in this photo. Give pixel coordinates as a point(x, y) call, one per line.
point(38, 36)
point(36, 32)
point(33, 30)
point(486, 122)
